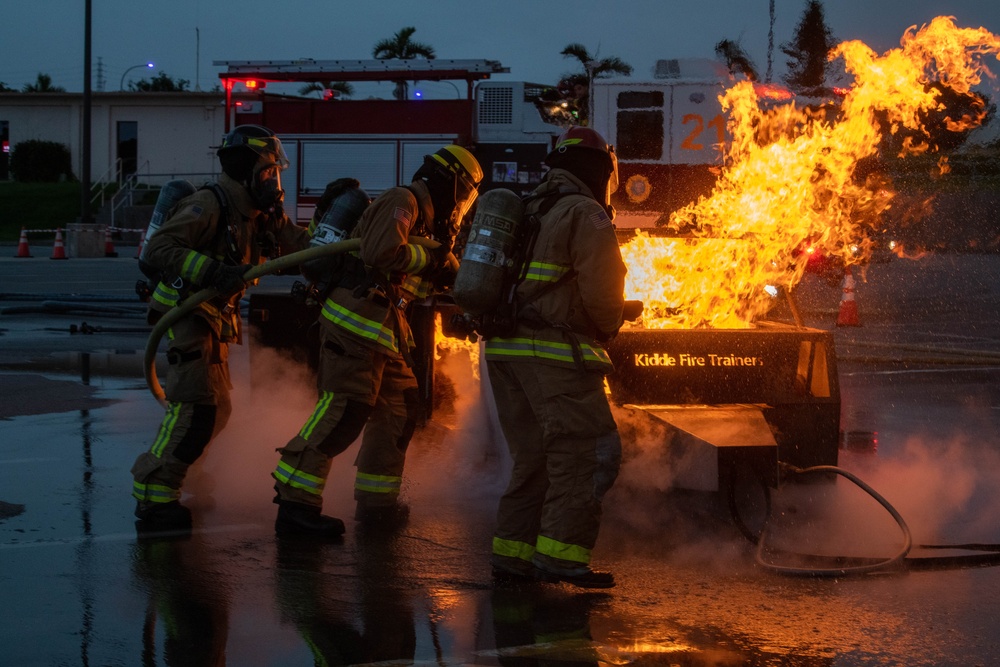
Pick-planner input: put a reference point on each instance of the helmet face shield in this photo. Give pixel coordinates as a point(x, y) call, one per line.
point(269, 149)
point(461, 174)
point(613, 178)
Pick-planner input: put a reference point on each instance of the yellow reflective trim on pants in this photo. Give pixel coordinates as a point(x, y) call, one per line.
point(377, 483)
point(362, 326)
point(154, 493)
point(513, 549)
point(286, 474)
point(166, 429)
point(555, 549)
point(322, 405)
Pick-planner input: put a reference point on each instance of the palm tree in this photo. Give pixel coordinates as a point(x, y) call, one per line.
point(43, 84)
point(593, 67)
point(401, 47)
point(342, 87)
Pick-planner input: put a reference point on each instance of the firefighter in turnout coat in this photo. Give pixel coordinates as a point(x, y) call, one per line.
point(211, 239)
point(365, 379)
point(547, 375)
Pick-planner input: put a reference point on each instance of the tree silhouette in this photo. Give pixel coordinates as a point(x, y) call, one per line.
point(161, 83)
point(342, 87)
point(4, 88)
point(401, 47)
point(736, 58)
point(43, 84)
point(575, 87)
point(808, 51)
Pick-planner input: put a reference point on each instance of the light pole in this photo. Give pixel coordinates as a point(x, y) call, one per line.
point(121, 86)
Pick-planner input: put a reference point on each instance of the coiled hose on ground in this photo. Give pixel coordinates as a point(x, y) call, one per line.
point(271, 266)
point(838, 566)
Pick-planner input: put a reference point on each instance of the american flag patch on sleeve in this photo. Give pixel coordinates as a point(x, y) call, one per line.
point(402, 215)
point(600, 219)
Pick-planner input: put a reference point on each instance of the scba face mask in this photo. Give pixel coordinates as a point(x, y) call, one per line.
point(265, 187)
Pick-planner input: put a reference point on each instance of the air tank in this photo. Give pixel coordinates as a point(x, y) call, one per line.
point(341, 217)
point(171, 193)
point(489, 252)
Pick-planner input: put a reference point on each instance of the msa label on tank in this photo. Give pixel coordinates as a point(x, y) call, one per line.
point(495, 223)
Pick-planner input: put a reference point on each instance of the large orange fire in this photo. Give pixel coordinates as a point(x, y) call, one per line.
point(790, 177)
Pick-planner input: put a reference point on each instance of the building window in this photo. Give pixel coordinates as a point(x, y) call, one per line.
point(640, 125)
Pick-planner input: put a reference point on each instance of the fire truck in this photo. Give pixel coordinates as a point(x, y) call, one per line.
point(735, 400)
point(382, 142)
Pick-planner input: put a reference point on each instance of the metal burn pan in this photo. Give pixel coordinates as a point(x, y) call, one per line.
point(787, 373)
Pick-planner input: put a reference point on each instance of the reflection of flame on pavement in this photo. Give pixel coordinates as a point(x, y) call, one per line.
point(790, 179)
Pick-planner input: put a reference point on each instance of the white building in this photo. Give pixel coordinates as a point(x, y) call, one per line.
point(158, 136)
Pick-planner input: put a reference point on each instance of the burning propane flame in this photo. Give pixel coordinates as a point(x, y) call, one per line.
point(791, 179)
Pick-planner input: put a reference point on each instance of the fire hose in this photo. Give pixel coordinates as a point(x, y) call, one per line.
point(839, 566)
point(271, 266)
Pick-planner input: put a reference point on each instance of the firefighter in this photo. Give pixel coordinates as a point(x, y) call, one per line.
point(365, 377)
point(211, 239)
point(547, 376)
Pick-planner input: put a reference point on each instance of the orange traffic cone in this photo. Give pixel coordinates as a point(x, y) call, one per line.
point(58, 249)
point(142, 240)
point(22, 245)
point(848, 316)
point(109, 245)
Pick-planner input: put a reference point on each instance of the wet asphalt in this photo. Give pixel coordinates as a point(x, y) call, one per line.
point(78, 587)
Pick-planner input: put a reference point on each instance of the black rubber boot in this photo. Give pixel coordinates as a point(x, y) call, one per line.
point(162, 519)
point(300, 520)
point(512, 572)
point(581, 576)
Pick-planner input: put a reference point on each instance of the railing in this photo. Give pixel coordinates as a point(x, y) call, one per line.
point(125, 196)
point(100, 186)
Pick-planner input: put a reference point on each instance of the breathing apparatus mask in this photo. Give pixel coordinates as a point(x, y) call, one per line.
point(452, 176)
point(254, 156)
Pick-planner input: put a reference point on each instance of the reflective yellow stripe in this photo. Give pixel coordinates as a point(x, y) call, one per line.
point(555, 549)
point(546, 273)
point(166, 429)
point(321, 407)
point(419, 258)
point(513, 548)
point(166, 295)
point(194, 265)
point(361, 326)
point(286, 474)
point(500, 349)
point(377, 483)
point(154, 493)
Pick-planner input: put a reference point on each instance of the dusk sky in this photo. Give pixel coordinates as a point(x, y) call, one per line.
point(183, 37)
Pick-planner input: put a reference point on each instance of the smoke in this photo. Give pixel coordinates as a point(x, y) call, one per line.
point(461, 453)
point(944, 489)
point(272, 397)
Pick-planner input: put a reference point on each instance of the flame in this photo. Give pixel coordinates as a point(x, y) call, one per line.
point(790, 179)
point(445, 344)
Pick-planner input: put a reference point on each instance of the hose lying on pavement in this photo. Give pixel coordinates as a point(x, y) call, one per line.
point(271, 266)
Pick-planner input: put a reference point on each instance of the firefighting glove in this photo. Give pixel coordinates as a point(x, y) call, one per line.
point(441, 271)
point(333, 190)
point(632, 310)
point(225, 278)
